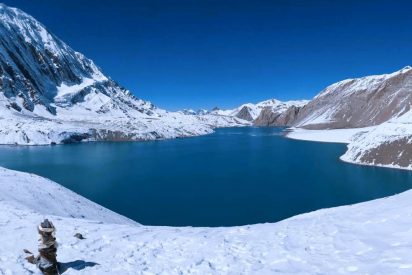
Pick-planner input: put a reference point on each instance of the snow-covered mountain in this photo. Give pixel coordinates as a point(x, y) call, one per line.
point(378, 107)
point(251, 112)
point(359, 102)
point(53, 94)
point(279, 113)
point(200, 112)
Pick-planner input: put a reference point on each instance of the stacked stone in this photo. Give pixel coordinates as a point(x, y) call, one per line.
point(47, 260)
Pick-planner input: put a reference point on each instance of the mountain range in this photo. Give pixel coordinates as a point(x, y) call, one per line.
point(52, 94)
point(372, 113)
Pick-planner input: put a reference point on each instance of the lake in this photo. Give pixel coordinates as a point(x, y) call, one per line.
point(235, 176)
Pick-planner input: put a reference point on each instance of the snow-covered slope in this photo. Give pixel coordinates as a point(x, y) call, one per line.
point(368, 238)
point(389, 144)
point(51, 94)
point(45, 197)
point(331, 135)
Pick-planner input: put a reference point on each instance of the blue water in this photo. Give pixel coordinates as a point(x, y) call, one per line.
point(235, 176)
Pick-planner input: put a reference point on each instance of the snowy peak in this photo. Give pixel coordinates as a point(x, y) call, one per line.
point(39, 73)
point(50, 94)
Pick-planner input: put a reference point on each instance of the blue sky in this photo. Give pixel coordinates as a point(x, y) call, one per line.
point(206, 53)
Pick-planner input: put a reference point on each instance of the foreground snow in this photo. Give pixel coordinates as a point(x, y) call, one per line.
point(368, 238)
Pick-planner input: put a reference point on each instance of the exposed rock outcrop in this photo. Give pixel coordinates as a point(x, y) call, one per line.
point(270, 117)
point(245, 113)
point(270, 112)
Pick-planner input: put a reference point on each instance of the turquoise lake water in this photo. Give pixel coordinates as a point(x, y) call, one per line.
point(235, 176)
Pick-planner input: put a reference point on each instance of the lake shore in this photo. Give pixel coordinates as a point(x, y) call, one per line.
point(370, 237)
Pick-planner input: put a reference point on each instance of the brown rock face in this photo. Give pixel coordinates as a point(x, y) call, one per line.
point(269, 117)
point(397, 152)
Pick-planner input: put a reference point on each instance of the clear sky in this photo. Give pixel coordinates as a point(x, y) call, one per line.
point(205, 53)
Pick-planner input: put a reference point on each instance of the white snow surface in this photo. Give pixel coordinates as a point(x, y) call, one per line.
point(331, 135)
point(42, 128)
point(45, 197)
point(367, 238)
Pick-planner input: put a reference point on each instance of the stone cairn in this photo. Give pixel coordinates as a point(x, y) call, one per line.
point(46, 261)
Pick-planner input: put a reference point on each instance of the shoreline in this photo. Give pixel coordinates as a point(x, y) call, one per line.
point(338, 136)
point(320, 241)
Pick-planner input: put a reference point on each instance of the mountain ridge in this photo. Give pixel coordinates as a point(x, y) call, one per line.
point(53, 94)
